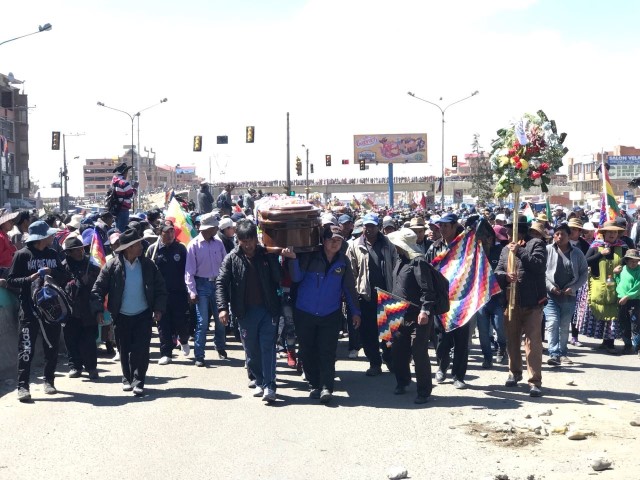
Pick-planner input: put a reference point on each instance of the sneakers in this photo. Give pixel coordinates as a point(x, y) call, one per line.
point(325, 395)
point(440, 376)
point(138, 391)
point(252, 384)
point(93, 374)
point(353, 354)
point(222, 355)
point(185, 349)
point(554, 361)
point(116, 357)
point(564, 360)
point(459, 384)
point(24, 395)
point(314, 393)
point(49, 389)
point(373, 371)
point(292, 359)
point(500, 357)
point(513, 380)
point(535, 391)
point(259, 391)
point(269, 395)
point(574, 341)
point(487, 364)
point(126, 387)
point(200, 362)
point(74, 373)
point(164, 361)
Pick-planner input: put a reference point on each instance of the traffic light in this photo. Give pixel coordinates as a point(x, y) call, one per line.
point(197, 143)
point(298, 166)
point(55, 140)
point(292, 193)
point(362, 164)
point(222, 139)
point(250, 134)
point(327, 159)
point(311, 167)
point(454, 161)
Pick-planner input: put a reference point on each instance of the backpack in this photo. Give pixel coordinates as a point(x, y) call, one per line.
point(111, 202)
point(50, 301)
point(441, 286)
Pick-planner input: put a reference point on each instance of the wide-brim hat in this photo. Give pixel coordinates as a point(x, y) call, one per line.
point(542, 217)
point(405, 239)
point(7, 216)
point(40, 230)
point(128, 238)
point(149, 234)
point(575, 223)
point(523, 222)
point(72, 242)
point(417, 223)
point(538, 227)
point(632, 254)
point(123, 167)
point(610, 227)
point(207, 221)
point(76, 221)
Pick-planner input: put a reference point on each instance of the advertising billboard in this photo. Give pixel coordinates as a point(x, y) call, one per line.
point(391, 148)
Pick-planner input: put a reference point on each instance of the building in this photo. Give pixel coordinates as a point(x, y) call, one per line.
point(585, 181)
point(14, 143)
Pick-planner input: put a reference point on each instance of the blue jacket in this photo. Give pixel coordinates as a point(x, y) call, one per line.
point(321, 285)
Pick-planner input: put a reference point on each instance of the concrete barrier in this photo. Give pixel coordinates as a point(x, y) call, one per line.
point(8, 334)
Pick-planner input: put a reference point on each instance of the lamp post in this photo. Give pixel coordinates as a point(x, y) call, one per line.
point(132, 117)
point(442, 111)
point(306, 188)
point(64, 174)
point(42, 28)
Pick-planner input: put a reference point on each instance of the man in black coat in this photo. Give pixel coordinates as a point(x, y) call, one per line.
point(205, 199)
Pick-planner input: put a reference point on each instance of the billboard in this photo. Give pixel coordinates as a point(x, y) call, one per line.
point(189, 169)
point(391, 148)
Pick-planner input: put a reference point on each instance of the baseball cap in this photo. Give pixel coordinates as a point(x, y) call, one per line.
point(344, 219)
point(226, 222)
point(387, 221)
point(370, 219)
point(448, 218)
point(328, 219)
point(331, 232)
point(357, 227)
point(167, 225)
point(501, 217)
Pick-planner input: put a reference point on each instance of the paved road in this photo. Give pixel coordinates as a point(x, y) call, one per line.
point(204, 423)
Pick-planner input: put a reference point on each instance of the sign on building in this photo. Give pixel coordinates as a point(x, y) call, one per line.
point(391, 148)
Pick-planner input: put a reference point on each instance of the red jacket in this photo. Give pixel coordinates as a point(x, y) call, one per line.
point(7, 249)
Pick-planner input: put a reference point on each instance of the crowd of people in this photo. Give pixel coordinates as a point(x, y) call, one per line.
point(570, 278)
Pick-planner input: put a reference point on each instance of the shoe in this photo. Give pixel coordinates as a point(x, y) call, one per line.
point(109, 348)
point(24, 395)
point(200, 363)
point(602, 346)
point(93, 374)
point(535, 391)
point(222, 355)
point(554, 361)
point(574, 341)
point(440, 376)
point(269, 395)
point(292, 359)
point(259, 391)
point(459, 384)
point(74, 373)
point(400, 390)
point(116, 357)
point(299, 366)
point(513, 380)
point(373, 371)
point(138, 391)
point(126, 387)
point(314, 393)
point(627, 349)
point(421, 399)
point(564, 360)
point(325, 395)
point(185, 349)
point(252, 384)
point(612, 351)
point(49, 389)
point(500, 357)
point(353, 354)
point(487, 364)
point(164, 361)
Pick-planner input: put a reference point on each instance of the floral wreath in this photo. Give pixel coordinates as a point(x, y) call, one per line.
point(526, 153)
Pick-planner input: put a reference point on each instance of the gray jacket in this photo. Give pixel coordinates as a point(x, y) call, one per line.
point(358, 256)
point(578, 264)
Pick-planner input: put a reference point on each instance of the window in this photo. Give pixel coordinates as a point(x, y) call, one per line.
point(6, 129)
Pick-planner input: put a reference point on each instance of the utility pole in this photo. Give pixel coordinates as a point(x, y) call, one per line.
point(306, 189)
point(288, 158)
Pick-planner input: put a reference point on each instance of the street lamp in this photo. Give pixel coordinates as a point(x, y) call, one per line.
point(306, 189)
point(64, 174)
point(443, 110)
point(132, 118)
point(42, 28)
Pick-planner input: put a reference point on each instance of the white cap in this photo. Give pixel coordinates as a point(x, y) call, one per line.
point(501, 217)
point(226, 222)
point(588, 226)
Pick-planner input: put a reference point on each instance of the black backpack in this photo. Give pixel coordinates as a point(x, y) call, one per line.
point(111, 202)
point(441, 286)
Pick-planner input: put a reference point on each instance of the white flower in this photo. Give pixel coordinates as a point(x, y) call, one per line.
point(537, 181)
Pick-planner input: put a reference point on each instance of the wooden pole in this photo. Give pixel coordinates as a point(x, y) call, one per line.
point(511, 260)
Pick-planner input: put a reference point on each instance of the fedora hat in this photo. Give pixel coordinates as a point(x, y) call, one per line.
point(123, 167)
point(523, 222)
point(575, 223)
point(539, 227)
point(405, 239)
point(610, 227)
point(632, 254)
point(71, 242)
point(417, 223)
point(149, 234)
point(207, 221)
point(128, 238)
point(76, 221)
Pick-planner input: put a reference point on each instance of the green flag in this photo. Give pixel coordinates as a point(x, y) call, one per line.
point(548, 209)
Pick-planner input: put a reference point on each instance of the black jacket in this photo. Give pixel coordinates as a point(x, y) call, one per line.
point(82, 277)
point(171, 261)
point(229, 244)
point(231, 282)
point(111, 282)
point(593, 257)
point(205, 200)
point(412, 281)
point(531, 266)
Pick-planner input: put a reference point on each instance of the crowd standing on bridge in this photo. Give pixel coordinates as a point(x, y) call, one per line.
point(572, 278)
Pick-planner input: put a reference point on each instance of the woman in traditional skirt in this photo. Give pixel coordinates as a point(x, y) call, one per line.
point(600, 320)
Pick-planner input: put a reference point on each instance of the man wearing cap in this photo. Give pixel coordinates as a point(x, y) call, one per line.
point(531, 295)
point(137, 295)
point(323, 278)
point(327, 219)
point(419, 227)
point(204, 257)
point(36, 259)
point(227, 233)
point(373, 259)
point(124, 193)
point(170, 257)
point(205, 199)
point(345, 222)
point(501, 219)
point(81, 327)
point(102, 226)
point(388, 225)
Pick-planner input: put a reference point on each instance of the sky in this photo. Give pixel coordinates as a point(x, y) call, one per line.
point(339, 68)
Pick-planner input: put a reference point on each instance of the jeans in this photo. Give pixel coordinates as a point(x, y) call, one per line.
point(258, 331)
point(491, 317)
point(206, 291)
point(558, 313)
point(122, 219)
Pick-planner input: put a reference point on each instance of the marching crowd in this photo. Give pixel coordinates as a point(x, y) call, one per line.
point(571, 277)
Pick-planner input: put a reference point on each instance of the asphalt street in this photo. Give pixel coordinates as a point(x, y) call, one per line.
point(197, 423)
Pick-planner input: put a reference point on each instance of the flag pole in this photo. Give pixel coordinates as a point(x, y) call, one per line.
point(511, 259)
point(605, 198)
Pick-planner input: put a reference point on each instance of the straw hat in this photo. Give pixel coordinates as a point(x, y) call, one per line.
point(539, 227)
point(632, 254)
point(7, 216)
point(610, 227)
point(76, 221)
point(542, 217)
point(405, 239)
point(417, 223)
point(575, 223)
